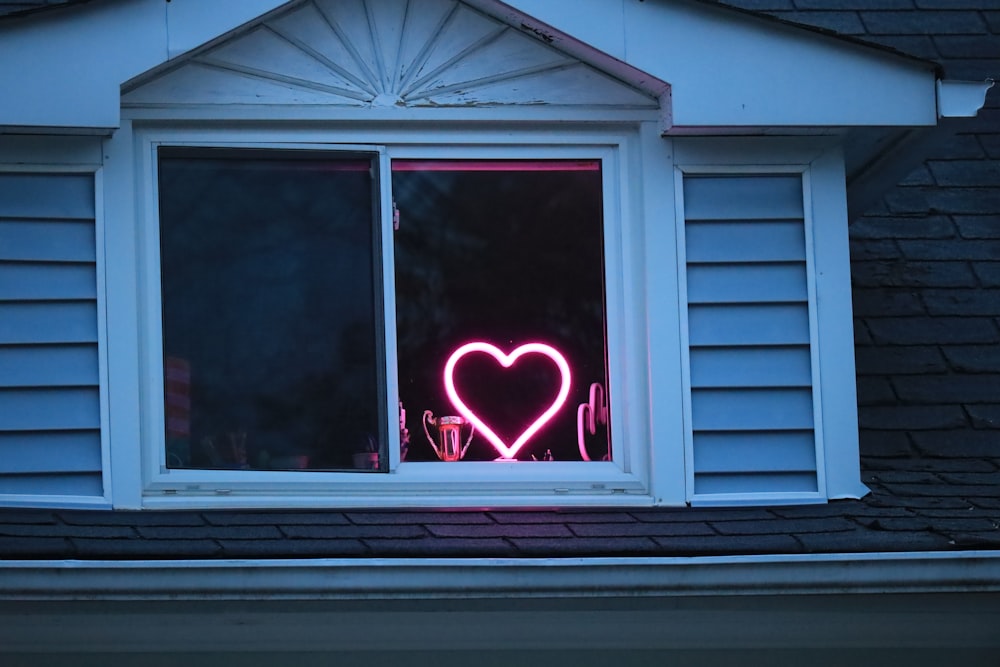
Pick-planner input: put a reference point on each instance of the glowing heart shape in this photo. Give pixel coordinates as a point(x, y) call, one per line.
point(506, 360)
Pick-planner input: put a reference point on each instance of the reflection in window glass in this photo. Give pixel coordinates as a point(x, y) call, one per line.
point(270, 327)
point(499, 255)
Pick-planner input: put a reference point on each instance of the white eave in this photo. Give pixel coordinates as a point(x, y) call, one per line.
point(726, 70)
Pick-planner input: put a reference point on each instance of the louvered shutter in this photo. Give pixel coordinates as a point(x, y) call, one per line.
point(752, 419)
point(50, 440)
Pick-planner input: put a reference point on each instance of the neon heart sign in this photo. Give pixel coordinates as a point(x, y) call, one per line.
point(506, 360)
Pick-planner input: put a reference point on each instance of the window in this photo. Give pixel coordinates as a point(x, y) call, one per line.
point(271, 333)
point(392, 320)
point(500, 306)
point(272, 338)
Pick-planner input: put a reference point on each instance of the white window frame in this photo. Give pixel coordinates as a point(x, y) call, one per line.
point(625, 480)
point(76, 155)
point(819, 162)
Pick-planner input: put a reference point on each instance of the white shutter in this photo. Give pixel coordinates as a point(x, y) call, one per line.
point(751, 424)
point(50, 441)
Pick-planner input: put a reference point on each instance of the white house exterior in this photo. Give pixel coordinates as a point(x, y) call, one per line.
point(710, 350)
point(721, 147)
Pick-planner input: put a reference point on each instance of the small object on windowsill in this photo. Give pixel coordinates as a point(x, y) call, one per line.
point(547, 456)
point(588, 416)
point(367, 459)
point(238, 449)
point(404, 434)
point(449, 431)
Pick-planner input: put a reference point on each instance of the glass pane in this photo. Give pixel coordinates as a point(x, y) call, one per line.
point(268, 263)
point(499, 279)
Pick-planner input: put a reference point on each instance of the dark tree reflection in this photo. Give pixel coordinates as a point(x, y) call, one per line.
point(506, 253)
point(267, 265)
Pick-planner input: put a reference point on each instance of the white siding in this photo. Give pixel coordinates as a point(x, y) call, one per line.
point(752, 422)
point(49, 374)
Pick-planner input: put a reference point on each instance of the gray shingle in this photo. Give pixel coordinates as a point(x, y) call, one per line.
point(984, 416)
point(909, 360)
point(275, 518)
point(578, 516)
point(979, 226)
point(956, 4)
point(753, 544)
point(913, 274)
point(684, 514)
point(912, 417)
point(293, 548)
point(404, 518)
point(209, 532)
point(929, 389)
point(973, 358)
point(647, 529)
point(863, 541)
point(138, 548)
point(882, 302)
point(924, 23)
point(843, 23)
point(963, 302)
point(88, 518)
point(979, 46)
point(593, 546)
point(404, 531)
point(23, 530)
point(942, 330)
point(432, 547)
point(958, 249)
point(958, 444)
point(930, 227)
point(783, 527)
point(988, 273)
point(36, 547)
point(548, 530)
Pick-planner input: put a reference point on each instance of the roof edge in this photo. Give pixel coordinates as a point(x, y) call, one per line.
point(501, 578)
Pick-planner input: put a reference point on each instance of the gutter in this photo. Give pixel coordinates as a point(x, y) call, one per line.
point(500, 578)
point(961, 99)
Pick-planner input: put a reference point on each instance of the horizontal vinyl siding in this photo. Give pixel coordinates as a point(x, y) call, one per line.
point(50, 415)
point(750, 363)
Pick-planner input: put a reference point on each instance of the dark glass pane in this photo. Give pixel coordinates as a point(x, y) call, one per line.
point(508, 254)
point(268, 264)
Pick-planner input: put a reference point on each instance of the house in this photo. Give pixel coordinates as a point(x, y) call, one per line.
point(238, 240)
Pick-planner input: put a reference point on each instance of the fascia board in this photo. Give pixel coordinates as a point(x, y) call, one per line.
point(493, 578)
point(729, 69)
point(882, 600)
point(65, 69)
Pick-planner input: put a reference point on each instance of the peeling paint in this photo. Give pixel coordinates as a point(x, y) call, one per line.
point(545, 36)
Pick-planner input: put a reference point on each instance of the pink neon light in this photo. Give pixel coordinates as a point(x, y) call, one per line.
point(506, 360)
point(496, 165)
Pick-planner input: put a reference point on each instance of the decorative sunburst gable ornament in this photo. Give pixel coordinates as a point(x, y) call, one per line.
point(383, 53)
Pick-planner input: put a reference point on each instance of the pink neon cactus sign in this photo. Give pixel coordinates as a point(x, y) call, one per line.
point(507, 360)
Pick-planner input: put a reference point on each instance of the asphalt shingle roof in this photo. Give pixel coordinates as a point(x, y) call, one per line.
point(904, 513)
